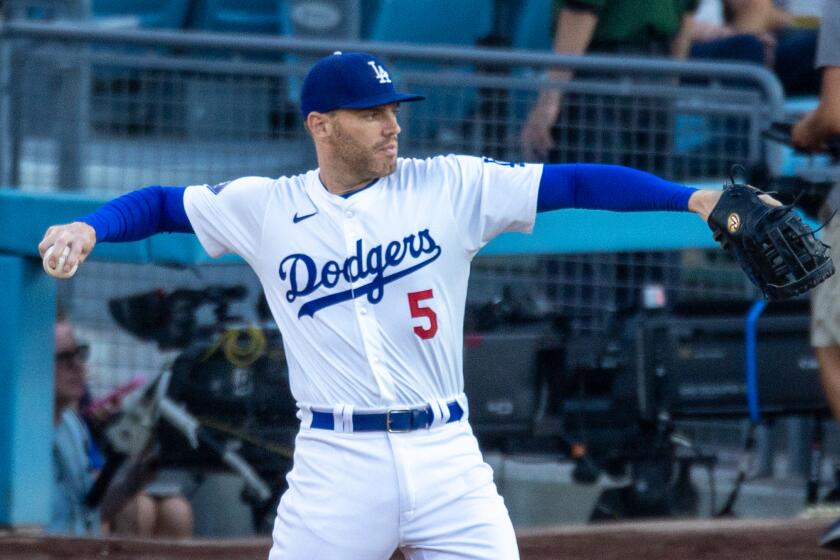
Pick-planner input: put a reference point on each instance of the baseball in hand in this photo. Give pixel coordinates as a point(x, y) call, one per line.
point(58, 271)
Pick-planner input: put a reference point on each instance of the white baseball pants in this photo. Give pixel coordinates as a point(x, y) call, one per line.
point(362, 495)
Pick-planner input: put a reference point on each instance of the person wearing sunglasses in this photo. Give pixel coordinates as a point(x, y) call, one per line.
point(74, 475)
point(125, 508)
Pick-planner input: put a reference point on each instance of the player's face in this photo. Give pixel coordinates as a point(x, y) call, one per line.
point(366, 140)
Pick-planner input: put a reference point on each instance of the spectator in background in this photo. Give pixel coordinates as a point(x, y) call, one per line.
point(761, 32)
point(643, 27)
point(606, 128)
point(810, 134)
point(158, 511)
point(72, 444)
point(756, 31)
point(124, 509)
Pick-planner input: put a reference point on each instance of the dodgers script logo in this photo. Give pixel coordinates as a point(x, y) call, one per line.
point(305, 276)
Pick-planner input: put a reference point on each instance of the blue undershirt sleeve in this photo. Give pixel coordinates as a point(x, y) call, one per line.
point(608, 187)
point(140, 214)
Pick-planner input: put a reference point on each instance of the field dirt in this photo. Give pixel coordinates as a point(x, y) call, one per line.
point(777, 539)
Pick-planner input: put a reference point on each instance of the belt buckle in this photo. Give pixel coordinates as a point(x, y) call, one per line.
point(388, 421)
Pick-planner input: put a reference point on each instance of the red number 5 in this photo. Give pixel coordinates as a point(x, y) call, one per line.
point(414, 300)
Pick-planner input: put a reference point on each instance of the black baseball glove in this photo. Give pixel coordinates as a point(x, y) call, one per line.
point(776, 249)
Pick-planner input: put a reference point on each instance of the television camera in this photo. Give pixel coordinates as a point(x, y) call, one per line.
point(224, 401)
point(608, 401)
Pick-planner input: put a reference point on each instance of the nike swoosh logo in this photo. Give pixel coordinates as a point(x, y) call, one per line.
point(297, 218)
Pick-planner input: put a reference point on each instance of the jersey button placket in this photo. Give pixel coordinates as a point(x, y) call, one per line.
point(373, 349)
point(365, 313)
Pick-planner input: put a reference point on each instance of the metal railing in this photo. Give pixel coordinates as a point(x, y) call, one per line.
point(110, 109)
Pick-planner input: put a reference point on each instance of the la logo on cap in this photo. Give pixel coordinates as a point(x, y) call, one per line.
point(381, 74)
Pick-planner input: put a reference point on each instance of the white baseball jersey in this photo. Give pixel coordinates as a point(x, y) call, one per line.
point(369, 290)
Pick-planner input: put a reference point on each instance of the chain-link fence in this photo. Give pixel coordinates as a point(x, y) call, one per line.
point(110, 110)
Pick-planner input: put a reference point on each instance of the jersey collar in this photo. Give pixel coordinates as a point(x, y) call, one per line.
point(362, 197)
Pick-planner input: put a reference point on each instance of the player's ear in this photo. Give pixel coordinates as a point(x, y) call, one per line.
point(319, 124)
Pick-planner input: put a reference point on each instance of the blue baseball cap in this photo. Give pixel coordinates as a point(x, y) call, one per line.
point(352, 80)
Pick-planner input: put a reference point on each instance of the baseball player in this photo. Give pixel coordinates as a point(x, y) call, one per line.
point(364, 262)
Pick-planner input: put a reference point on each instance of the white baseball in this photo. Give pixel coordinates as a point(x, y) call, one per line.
point(58, 271)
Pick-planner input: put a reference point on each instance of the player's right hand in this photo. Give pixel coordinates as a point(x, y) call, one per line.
point(78, 236)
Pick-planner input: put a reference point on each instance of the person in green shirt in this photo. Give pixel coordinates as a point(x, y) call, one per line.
point(756, 32)
point(641, 27)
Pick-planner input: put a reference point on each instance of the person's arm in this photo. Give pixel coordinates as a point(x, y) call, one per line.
point(682, 41)
point(618, 188)
point(136, 215)
point(140, 214)
point(816, 127)
point(575, 27)
point(757, 16)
